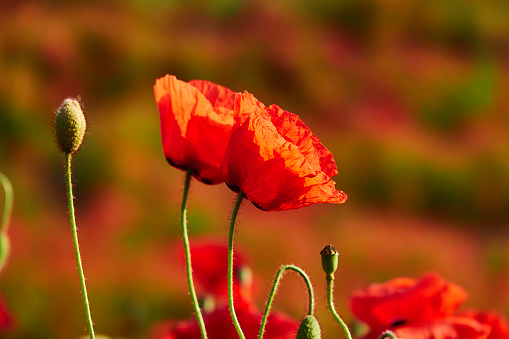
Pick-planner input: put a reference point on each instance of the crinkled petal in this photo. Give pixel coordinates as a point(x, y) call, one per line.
point(277, 169)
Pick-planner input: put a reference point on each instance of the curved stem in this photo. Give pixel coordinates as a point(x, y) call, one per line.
point(388, 334)
point(274, 289)
point(343, 326)
point(230, 264)
point(8, 201)
point(187, 250)
point(70, 198)
point(4, 221)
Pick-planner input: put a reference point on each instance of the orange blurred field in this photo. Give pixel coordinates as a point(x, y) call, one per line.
point(409, 96)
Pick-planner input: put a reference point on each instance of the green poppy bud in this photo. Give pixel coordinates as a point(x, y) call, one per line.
point(207, 303)
point(329, 260)
point(309, 328)
point(245, 276)
point(70, 126)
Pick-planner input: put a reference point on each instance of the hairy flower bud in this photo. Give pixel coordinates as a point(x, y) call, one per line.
point(329, 260)
point(70, 126)
point(309, 328)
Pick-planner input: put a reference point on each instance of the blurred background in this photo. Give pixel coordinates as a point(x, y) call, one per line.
point(410, 97)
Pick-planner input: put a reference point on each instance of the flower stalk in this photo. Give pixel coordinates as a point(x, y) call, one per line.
point(235, 212)
point(275, 285)
point(187, 250)
point(70, 198)
point(8, 202)
point(4, 221)
point(329, 264)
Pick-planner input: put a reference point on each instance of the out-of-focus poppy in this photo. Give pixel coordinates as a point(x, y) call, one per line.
point(5, 319)
point(210, 271)
point(420, 309)
point(275, 159)
point(196, 120)
point(498, 324)
point(219, 325)
point(210, 266)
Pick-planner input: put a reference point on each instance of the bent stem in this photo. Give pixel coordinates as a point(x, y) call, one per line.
point(4, 221)
point(274, 289)
point(388, 334)
point(8, 200)
point(230, 264)
point(70, 198)
point(330, 282)
point(187, 250)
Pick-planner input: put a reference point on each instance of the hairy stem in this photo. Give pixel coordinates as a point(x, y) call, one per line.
point(187, 250)
point(330, 283)
point(275, 285)
point(230, 264)
point(70, 198)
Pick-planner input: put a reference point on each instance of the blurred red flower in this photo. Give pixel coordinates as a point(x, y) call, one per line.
point(5, 319)
point(219, 325)
point(196, 120)
point(499, 326)
point(209, 268)
point(417, 309)
point(275, 159)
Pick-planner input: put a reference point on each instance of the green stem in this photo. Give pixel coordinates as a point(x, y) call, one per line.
point(388, 334)
point(330, 282)
point(274, 289)
point(4, 221)
point(8, 201)
point(230, 264)
point(189, 269)
point(70, 197)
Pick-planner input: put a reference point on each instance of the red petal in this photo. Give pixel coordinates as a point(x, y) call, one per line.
point(210, 267)
point(448, 328)
point(219, 326)
point(498, 324)
point(407, 301)
point(195, 126)
point(276, 160)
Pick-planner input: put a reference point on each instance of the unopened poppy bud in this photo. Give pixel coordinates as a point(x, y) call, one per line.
point(245, 276)
point(70, 126)
point(329, 260)
point(309, 328)
point(207, 303)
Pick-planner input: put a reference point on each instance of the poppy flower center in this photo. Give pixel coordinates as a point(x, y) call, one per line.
point(399, 322)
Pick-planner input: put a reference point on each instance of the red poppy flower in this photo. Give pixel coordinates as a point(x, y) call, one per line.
point(275, 159)
point(210, 264)
point(196, 120)
point(421, 309)
point(219, 326)
point(497, 323)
